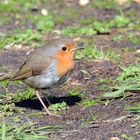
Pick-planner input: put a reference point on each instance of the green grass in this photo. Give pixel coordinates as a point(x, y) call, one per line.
point(136, 25)
point(133, 38)
point(85, 100)
point(120, 21)
point(23, 37)
point(59, 19)
point(118, 38)
point(8, 8)
point(104, 4)
point(26, 95)
point(10, 109)
point(128, 80)
point(25, 132)
point(4, 84)
point(126, 137)
point(78, 31)
point(97, 27)
point(5, 20)
point(17, 6)
point(56, 108)
point(104, 80)
point(87, 21)
point(134, 108)
point(88, 102)
point(92, 52)
point(28, 4)
point(44, 23)
point(47, 24)
point(89, 121)
point(76, 92)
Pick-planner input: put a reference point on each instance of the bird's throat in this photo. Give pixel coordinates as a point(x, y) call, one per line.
point(64, 65)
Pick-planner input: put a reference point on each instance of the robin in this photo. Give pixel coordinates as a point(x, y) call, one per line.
point(47, 67)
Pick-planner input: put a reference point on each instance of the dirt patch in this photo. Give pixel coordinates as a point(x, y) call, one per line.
point(107, 123)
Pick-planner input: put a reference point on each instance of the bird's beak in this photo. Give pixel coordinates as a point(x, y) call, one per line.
point(80, 46)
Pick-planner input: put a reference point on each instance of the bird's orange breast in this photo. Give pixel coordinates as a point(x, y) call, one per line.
point(65, 63)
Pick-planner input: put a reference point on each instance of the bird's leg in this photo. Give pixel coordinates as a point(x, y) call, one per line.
point(46, 97)
point(37, 92)
point(41, 101)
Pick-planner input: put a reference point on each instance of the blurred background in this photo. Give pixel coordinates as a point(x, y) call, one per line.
point(35, 20)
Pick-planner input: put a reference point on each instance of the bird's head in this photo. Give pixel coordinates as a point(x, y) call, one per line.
point(64, 55)
point(66, 50)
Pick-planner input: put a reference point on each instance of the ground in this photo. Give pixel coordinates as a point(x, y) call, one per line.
point(101, 98)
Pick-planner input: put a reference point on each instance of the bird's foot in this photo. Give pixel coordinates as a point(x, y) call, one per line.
point(51, 114)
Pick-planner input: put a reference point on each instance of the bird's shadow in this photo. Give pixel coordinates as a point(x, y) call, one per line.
point(35, 103)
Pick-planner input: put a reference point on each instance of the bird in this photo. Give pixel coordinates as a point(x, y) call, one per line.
point(47, 67)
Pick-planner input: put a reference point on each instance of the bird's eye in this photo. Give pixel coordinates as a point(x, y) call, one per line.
point(64, 48)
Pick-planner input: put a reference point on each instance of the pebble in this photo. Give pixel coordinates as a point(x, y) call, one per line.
point(44, 12)
point(121, 2)
point(138, 51)
point(114, 138)
point(83, 2)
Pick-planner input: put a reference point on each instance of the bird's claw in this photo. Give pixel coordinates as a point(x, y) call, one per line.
point(51, 114)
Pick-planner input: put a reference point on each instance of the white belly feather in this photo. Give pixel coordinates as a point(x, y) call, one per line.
point(46, 79)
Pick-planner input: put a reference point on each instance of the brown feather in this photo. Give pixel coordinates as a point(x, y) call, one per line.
point(33, 65)
point(21, 75)
point(5, 77)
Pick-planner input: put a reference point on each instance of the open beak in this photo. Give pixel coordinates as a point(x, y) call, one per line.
point(80, 46)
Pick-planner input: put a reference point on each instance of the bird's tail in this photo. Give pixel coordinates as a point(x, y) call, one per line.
point(6, 77)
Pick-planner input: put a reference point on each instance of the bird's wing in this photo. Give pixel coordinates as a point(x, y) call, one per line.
point(32, 66)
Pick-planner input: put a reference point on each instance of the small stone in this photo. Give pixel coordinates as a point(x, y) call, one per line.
point(57, 31)
point(44, 12)
point(138, 51)
point(121, 2)
point(6, 1)
point(1, 73)
point(83, 2)
point(77, 39)
point(30, 51)
point(114, 138)
point(76, 83)
point(9, 46)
